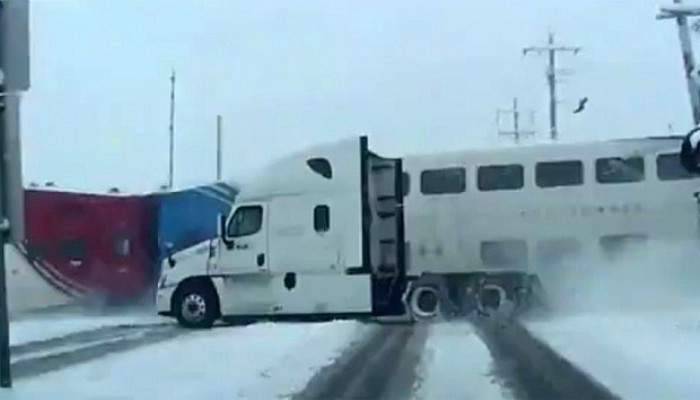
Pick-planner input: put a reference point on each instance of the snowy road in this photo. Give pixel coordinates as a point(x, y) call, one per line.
point(642, 355)
point(482, 359)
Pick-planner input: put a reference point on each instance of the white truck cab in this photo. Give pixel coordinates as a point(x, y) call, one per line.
point(319, 233)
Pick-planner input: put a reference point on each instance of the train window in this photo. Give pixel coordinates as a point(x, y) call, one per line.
point(322, 218)
point(669, 168)
point(406, 183)
point(321, 166)
point(246, 221)
point(443, 181)
point(556, 251)
point(122, 246)
point(614, 245)
point(500, 177)
point(73, 249)
point(619, 170)
point(559, 173)
point(507, 253)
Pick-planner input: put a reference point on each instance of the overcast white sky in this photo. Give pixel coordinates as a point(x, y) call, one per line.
point(416, 76)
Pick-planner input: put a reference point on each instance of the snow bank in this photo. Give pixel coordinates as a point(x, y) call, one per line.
point(636, 355)
point(56, 325)
point(456, 364)
point(262, 361)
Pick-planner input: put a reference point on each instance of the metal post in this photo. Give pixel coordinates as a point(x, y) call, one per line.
point(516, 114)
point(681, 14)
point(219, 127)
point(171, 147)
point(552, 50)
point(551, 79)
point(14, 64)
point(5, 374)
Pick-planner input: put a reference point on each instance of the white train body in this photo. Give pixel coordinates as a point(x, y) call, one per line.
point(519, 208)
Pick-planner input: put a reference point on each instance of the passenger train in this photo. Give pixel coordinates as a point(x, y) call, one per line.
point(539, 208)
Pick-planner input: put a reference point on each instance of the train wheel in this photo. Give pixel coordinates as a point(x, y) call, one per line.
point(196, 307)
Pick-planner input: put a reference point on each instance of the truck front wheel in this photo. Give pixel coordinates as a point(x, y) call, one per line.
point(196, 306)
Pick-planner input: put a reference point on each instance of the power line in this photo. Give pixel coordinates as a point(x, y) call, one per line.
point(551, 49)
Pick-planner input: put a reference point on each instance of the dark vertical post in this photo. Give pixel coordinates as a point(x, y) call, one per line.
point(219, 127)
point(171, 131)
point(551, 79)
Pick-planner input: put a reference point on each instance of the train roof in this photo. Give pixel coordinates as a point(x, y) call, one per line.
point(621, 147)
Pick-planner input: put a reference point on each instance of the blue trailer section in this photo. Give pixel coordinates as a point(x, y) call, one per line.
point(188, 217)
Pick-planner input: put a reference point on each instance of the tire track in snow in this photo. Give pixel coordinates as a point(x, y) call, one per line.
point(381, 366)
point(41, 357)
point(531, 369)
point(102, 333)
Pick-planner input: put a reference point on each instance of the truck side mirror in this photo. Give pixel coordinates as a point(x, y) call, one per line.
point(222, 232)
point(169, 252)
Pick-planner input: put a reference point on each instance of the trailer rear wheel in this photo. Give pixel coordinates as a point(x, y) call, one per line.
point(196, 306)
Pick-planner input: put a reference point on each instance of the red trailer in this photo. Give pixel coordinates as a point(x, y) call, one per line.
point(93, 246)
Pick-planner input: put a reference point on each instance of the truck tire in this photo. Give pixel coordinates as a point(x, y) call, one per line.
point(424, 302)
point(196, 306)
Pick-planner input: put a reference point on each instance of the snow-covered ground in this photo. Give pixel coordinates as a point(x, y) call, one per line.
point(456, 364)
point(261, 361)
point(637, 355)
point(47, 326)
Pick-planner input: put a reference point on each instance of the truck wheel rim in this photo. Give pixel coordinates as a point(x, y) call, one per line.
point(425, 302)
point(194, 307)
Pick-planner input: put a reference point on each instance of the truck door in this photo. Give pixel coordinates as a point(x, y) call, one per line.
point(243, 248)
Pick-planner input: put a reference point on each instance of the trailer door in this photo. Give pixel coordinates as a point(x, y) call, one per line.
point(384, 231)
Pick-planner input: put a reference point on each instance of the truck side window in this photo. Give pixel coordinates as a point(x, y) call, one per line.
point(246, 221)
point(322, 218)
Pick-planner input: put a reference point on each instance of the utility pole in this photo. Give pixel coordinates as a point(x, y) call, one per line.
point(14, 79)
point(552, 51)
point(171, 151)
point(681, 14)
point(516, 132)
point(219, 127)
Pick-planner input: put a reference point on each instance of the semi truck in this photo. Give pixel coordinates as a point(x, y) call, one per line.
point(319, 233)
